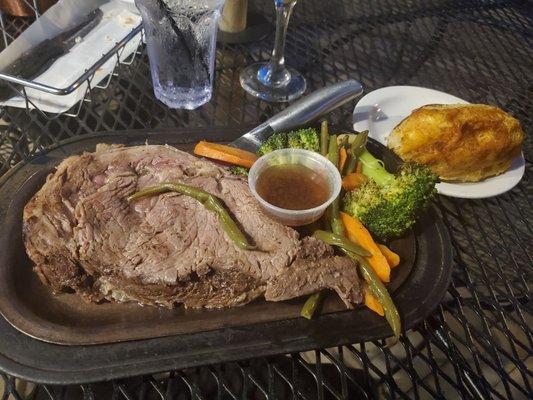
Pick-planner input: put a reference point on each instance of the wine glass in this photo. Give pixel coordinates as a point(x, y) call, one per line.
point(272, 80)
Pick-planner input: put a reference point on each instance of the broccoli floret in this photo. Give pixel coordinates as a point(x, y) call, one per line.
point(388, 204)
point(307, 139)
point(275, 142)
point(237, 170)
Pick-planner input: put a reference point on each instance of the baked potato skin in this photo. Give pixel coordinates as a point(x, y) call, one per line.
point(460, 142)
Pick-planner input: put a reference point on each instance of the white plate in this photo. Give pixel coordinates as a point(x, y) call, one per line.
point(381, 110)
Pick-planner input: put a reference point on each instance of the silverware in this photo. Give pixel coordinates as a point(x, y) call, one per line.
point(37, 60)
point(301, 112)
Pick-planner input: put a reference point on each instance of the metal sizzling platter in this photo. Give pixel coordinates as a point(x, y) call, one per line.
point(104, 340)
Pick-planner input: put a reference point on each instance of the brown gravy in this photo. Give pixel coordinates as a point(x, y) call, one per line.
point(293, 187)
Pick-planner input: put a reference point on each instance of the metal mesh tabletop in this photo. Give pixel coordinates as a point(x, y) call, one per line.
point(478, 344)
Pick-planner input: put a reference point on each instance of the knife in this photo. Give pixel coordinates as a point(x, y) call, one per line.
point(37, 60)
point(303, 111)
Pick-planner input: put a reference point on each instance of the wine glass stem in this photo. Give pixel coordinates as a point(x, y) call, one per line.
point(274, 73)
point(283, 14)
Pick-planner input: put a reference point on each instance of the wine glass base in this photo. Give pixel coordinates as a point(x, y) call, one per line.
point(291, 90)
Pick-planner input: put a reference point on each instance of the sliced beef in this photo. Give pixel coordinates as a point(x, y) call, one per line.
point(83, 235)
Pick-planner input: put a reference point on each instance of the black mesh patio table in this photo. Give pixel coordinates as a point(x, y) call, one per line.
point(478, 343)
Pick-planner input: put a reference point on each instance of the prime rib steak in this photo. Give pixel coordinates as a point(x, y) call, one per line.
point(84, 236)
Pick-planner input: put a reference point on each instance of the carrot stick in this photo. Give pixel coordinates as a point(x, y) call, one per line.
point(343, 155)
point(392, 258)
point(357, 233)
point(220, 152)
point(359, 167)
point(353, 181)
point(371, 302)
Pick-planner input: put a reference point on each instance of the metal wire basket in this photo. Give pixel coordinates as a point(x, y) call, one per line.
point(11, 27)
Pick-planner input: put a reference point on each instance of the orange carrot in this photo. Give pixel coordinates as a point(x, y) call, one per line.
point(371, 302)
point(357, 233)
point(343, 155)
point(359, 167)
point(353, 180)
point(220, 152)
point(392, 258)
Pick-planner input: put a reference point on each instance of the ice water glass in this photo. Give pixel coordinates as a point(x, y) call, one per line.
point(181, 41)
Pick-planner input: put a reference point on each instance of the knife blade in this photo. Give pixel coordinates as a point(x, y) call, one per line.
point(301, 112)
point(37, 60)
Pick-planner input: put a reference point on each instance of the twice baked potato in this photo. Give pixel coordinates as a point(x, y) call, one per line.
point(460, 142)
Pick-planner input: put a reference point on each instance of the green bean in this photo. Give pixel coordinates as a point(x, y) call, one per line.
point(351, 163)
point(358, 145)
point(313, 301)
point(211, 202)
point(376, 287)
point(324, 135)
point(147, 192)
point(356, 148)
point(333, 150)
point(332, 212)
point(341, 241)
point(379, 291)
point(311, 305)
point(342, 141)
point(334, 218)
point(349, 157)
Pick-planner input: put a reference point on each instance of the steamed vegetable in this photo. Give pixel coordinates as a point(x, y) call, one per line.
point(371, 301)
point(356, 144)
point(332, 211)
point(357, 233)
point(338, 240)
point(210, 202)
point(237, 170)
point(353, 180)
point(343, 155)
point(392, 258)
point(311, 304)
point(381, 294)
point(324, 138)
point(220, 152)
point(388, 204)
point(307, 139)
point(376, 287)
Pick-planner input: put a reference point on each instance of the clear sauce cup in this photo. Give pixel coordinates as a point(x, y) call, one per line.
point(309, 159)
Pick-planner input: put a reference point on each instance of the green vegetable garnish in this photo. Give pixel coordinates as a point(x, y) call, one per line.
point(379, 291)
point(238, 170)
point(388, 203)
point(375, 285)
point(311, 304)
point(340, 241)
point(275, 142)
point(324, 137)
point(307, 139)
point(209, 201)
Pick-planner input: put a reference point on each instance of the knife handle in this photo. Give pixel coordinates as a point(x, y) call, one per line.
point(315, 105)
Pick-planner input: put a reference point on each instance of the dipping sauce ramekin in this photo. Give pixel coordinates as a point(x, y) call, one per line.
point(309, 159)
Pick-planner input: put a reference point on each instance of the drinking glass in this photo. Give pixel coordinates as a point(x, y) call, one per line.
point(181, 41)
point(272, 80)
